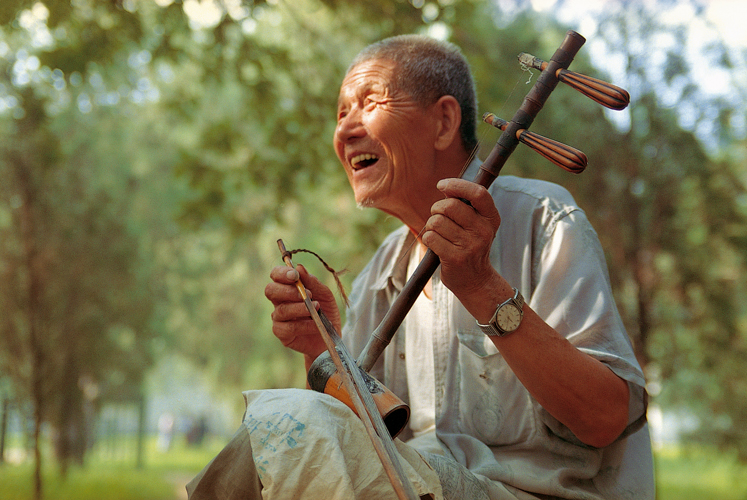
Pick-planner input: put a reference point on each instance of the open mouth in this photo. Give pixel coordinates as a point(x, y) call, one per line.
point(363, 160)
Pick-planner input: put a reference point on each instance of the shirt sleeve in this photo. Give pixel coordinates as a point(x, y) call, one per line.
point(574, 296)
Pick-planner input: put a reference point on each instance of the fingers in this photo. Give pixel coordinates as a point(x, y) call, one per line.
point(284, 274)
point(289, 276)
point(462, 234)
point(480, 200)
point(291, 320)
point(458, 229)
point(283, 292)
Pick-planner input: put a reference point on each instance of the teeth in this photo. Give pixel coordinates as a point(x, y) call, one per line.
point(362, 157)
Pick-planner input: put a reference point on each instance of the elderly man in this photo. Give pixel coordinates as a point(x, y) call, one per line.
point(520, 376)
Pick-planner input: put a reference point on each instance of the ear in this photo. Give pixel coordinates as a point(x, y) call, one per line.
point(448, 116)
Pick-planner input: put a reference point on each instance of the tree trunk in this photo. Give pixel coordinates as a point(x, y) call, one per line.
point(69, 418)
point(33, 311)
point(38, 484)
point(4, 428)
point(643, 280)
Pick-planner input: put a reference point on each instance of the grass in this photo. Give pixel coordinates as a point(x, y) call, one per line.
point(115, 483)
point(700, 474)
point(687, 473)
point(162, 476)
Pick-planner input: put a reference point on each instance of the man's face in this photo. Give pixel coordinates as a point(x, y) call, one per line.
point(383, 138)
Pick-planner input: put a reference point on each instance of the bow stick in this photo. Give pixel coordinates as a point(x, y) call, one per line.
point(515, 131)
point(359, 394)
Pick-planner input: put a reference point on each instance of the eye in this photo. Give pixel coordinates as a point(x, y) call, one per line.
point(371, 101)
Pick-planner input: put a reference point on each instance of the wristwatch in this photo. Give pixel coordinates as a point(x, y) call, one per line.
point(507, 317)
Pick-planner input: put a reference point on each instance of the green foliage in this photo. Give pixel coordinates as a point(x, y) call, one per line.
point(78, 308)
point(169, 152)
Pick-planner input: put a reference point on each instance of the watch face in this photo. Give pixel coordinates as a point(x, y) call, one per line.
point(508, 318)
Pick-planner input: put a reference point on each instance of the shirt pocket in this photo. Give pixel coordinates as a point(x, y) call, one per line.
point(494, 406)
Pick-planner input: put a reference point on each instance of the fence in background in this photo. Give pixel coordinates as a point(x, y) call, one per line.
point(116, 433)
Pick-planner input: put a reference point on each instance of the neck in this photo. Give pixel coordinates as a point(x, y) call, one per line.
point(416, 216)
point(417, 209)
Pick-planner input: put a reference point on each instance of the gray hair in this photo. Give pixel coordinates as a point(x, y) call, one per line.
point(428, 69)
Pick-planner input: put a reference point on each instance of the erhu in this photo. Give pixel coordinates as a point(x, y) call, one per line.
point(352, 384)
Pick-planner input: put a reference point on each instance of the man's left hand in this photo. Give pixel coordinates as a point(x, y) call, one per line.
point(461, 235)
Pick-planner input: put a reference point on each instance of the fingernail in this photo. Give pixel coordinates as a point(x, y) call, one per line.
point(292, 275)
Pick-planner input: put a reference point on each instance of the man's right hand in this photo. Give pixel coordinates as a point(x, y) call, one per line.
point(291, 321)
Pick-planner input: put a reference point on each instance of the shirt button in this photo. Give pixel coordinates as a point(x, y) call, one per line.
point(402, 355)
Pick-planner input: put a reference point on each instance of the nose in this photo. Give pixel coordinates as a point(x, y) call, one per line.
point(349, 126)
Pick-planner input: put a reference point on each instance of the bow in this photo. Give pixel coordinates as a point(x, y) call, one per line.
point(359, 393)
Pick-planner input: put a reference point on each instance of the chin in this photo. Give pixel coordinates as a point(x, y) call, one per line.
point(365, 198)
point(366, 203)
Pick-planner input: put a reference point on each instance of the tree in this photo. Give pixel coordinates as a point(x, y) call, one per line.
point(668, 205)
point(664, 193)
point(204, 136)
point(77, 310)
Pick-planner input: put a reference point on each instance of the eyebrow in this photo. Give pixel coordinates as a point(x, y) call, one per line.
point(366, 88)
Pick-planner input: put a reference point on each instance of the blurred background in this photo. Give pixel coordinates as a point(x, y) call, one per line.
point(153, 151)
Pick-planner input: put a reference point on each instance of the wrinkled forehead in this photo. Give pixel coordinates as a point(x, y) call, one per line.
point(369, 74)
point(374, 61)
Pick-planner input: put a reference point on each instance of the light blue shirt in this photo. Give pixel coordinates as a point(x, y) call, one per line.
point(485, 419)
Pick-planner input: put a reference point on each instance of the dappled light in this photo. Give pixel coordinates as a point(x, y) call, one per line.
point(152, 153)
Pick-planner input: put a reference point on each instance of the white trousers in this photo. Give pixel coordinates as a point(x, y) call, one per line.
point(304, 444)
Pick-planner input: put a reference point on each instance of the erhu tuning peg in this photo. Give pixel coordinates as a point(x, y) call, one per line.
point(604, 93)
point(565, 157)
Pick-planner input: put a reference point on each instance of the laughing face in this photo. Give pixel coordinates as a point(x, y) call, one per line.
point(384, 140)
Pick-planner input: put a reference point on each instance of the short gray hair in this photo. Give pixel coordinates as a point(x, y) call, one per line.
point(428, 69)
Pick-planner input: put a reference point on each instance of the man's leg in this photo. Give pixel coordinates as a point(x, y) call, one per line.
point(457, 482)
point(310, 445)
point(303, 444)
point(231, 475)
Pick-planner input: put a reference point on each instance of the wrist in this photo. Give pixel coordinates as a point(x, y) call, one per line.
point(482, 301)
point(507, 317)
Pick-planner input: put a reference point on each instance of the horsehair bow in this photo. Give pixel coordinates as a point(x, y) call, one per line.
point(359, 393)
point(515, 131)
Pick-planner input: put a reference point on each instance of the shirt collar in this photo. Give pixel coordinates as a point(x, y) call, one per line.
point(395, 271)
